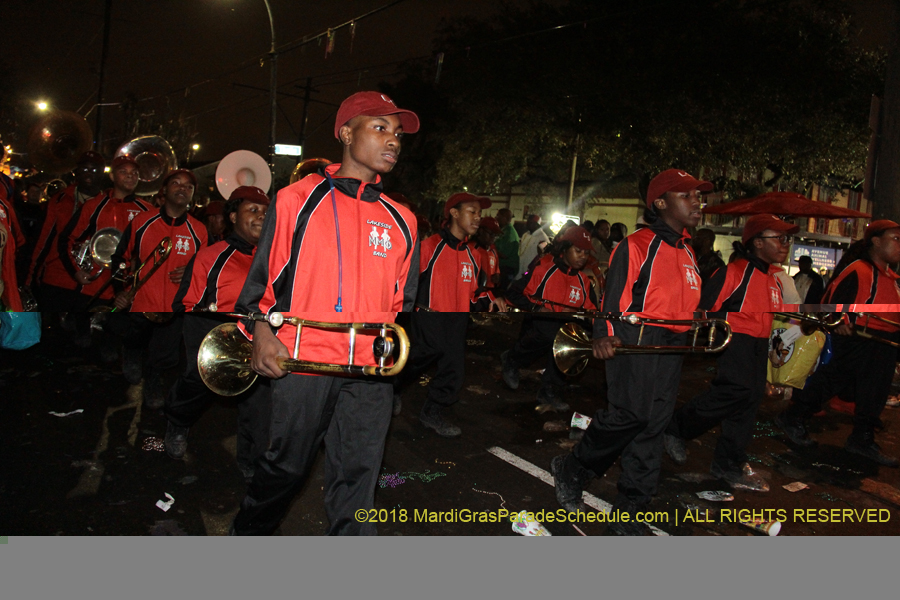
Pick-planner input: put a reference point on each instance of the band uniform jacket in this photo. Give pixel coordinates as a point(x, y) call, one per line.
point(745, 293)
point(100, 212)
point(332, 249)
point(215, 275)
point(553, 281)
point(139, 240)
point(46, 266)
point(451, 278)
point(488, 261)
point(652, 274)
point(866, 288)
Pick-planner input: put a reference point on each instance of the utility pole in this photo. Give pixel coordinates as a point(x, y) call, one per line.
point(101, 90)
point(887, 171)
point(307, 91)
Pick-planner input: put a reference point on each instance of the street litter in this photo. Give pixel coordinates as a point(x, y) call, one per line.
point(68, 414)
point(765, 527)
point(164, 505)
point(477, 389)
point(581, 421)
point(796, 486)
point(450, 463)
point(391, 480)
point(528, 527)
point(154, 444)
point(553, 426)
point(718, 496)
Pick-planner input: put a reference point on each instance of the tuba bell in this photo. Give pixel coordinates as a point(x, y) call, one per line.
point(57, 140)
point(308, 167)
point(155, 159)
point(242, 167)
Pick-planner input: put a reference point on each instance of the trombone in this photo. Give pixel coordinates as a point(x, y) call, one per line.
point(862, 331)
point(158, 256)
point(572, 348)
point(225, 354)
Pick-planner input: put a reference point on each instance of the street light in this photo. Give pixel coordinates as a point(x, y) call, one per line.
point(195, 147)
point(42, 105)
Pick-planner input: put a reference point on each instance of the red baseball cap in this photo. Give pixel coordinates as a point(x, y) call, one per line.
point(758, 223)
point(876, 227)
point(250, 193)
point(461, 197)
point(172, 174)
point(373, 104)
point(674, 180)
point(124, 159)
point(491, 224)
point(578, 236)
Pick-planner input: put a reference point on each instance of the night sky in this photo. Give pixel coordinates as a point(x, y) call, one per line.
point(161, 47)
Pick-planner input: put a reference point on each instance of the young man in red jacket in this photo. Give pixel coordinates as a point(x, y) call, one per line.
point(211, 284)
point(333, 248)
point(451, 284)
point(863, 283)
point(556, 285)
point(140, 239)
point(486, 252)
point(745, 293)
point(652, 274)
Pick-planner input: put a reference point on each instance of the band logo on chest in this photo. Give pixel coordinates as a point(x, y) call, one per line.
point(379, 239)
point(182, 244)
point(574, 295)
point(468, 272)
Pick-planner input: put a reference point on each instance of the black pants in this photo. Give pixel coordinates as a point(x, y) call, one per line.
point(189, 397)
point(864, 366)
point(732, 400)
point(536, 342)
point(159, 342)
point(352, 417)
point(56, 299)
point(642, 392)
point(438, 337)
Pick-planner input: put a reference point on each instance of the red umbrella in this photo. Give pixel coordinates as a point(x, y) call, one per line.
point(786, 204)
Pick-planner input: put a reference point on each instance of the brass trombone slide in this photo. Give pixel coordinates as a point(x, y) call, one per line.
point(225, 354)
point(158, 256)
point(572, 348)
point(860, 330)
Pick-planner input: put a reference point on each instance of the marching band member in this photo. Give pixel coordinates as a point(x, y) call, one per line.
point(116, 208)
point(652, 274)
point(451, 284)
point(145, 232)
point(56, 289)
point(865, 282)
point(13, 238)
point(483, 246)
point(556, 284)
point(214, 278)
point(745, 293)
point(333, 248)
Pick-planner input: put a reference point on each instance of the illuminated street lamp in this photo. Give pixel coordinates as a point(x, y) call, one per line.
point(42, 105)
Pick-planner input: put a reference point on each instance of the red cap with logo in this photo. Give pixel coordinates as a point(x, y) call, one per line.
point(758, 223)
point(461, 197)
point(579, 237)
point(876, 227)
point(250, 193)
point(176, 172)
point(373, 104)
point(674, 180)
point(491, 224)
point(124, 159)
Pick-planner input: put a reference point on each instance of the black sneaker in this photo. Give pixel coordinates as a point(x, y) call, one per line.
point(510, 373)
point(569, 488)
point(675, 448)
point(868, 448)
point(794, 430)
point(433, 419)
point(744, 479)
point(176, 441)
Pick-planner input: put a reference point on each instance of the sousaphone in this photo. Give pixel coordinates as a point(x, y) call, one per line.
point(155, 159)
point(57, 140)
point(308, 167)
point(242, 167)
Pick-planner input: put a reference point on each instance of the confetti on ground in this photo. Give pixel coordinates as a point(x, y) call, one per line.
point(766, 429)
point(68, 414)
point(827, 466)
point(153, 444)
point(796, 486)
point(477, 389)
point(449, 462)
point(391, 480)
point(502, 501)
point(757, 459)
point(164, 505)
point(425, 477)
point(475, 342)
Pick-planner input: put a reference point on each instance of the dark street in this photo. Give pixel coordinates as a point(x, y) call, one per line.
point(99, 472)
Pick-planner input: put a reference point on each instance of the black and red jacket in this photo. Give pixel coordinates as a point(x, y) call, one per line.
point(653, 274)
point(451, 278)
point(301, 269)
point(488, 261)
point(215, 275)
point(552, 283)
point(866, 288)
point(745, 293)
point(139, 240)
point(15, 239)
point(46, 266)
point(100, 212)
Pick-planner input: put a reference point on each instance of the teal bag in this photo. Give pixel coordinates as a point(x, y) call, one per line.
point(19, 330)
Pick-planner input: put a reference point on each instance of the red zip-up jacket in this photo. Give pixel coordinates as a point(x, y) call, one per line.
point(552, 280)
point(745, 293)
point(300, 269)
point(98, 213)
point(46, 266)
point(215, 275)
point(864, 287)
point(652, 274)
point(142, 236)
point(450, 278)
point(488, 261)
point(14, 239)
